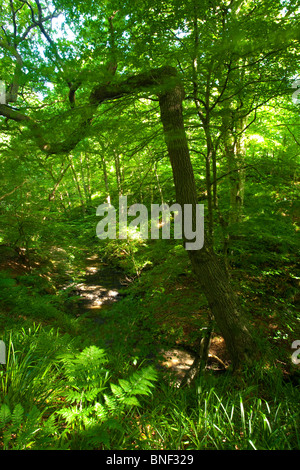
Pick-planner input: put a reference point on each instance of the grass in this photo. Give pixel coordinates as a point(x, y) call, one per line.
point(210, 418)
point(44, 406)
point(41, 401)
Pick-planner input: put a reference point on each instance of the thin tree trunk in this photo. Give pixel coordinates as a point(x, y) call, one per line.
point(235, 154)
point(78, 188)
point(118, 172)
point(104, 169)
point(62, 174)
point(208, 181)
point(158, 184)
point(84, 182)
point(88, 172)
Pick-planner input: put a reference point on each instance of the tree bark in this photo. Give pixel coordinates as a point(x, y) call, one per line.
point(235, 154)
point(212, 277)
point(105, 177)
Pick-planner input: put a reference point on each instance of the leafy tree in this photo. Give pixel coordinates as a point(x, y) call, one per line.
point(59, 92)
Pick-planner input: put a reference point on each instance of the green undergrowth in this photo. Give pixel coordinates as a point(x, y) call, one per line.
point(54, 394)
point(86, 382)
point(25, 299)
point(215, 415)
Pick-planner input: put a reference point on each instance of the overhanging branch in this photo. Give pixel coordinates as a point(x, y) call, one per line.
point(157, 81)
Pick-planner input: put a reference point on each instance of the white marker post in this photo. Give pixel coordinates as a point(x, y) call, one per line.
point(2, 92)
point(296, 84)
point(296, 344)
point(2, 352)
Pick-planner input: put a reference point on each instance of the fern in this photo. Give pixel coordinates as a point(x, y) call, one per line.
point(85, 371)
point(140, 383)
point(16, 430)
point(20, 430)
point(17, 417)
point(5, 415)
point(95, 409)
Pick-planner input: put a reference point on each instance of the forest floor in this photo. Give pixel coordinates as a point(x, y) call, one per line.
point(72, 305)
point(103, 286)
point(162, 325)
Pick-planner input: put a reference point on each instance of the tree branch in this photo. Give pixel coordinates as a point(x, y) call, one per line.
point(296, 140)
point(11, 192)
point(156, 81)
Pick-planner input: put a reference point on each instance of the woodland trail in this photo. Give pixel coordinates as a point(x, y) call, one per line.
point(100, 290)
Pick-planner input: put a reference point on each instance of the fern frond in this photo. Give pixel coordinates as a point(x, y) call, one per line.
point(140, 382)
point(17, 417)
point(5, 415)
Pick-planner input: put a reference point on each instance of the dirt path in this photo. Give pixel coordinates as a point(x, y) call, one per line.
point(100, 290)
point(101, 286)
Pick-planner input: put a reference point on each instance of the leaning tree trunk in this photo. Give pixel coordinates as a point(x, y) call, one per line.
point(212, 277)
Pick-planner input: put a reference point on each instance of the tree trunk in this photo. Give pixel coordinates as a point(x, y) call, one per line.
point(82, 203)
point(235, 154)
point(158, 184)
point(208, 158)
point(212, 277)
point(118, 172)
point(234, 124)
point(105, 177)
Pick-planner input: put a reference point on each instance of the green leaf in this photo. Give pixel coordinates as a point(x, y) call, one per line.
point(5, 415)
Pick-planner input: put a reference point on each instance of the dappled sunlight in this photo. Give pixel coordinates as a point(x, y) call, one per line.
point(177, 361)
point(91, 269)
point(149, 214)
point(93, 294)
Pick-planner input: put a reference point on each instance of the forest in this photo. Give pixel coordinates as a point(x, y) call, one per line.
point(127, 334)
